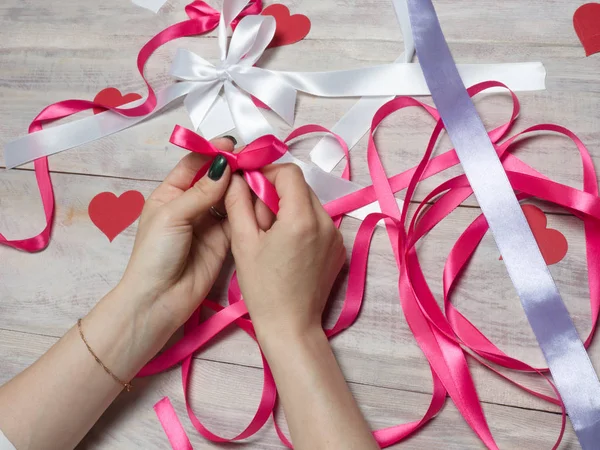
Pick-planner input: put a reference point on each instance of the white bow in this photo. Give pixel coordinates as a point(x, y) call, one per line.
point(236, 76)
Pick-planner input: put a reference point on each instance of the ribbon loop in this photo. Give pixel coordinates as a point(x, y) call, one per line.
point(248, 42)
point(250, 39)
point(261, 152)
point(231, 9)
point(188, 66)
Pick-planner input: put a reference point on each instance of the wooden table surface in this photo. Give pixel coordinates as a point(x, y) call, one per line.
point(50, 51)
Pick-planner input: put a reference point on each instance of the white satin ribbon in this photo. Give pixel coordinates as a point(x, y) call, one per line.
point(235, 75)
point(73, 134)
point(327, 154)
point(329, 187)
point(249, 121)
point(238, 79)
point(152, 5)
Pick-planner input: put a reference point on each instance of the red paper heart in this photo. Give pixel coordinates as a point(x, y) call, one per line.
point(290, 29)
point(112, 97)
point(552, 243)
point(112, 214)
point(586, 21)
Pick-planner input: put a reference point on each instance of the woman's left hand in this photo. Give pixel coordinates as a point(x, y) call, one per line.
point(180, 246)
point(178, 253)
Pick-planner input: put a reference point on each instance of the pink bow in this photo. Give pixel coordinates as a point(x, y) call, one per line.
point(263, 151)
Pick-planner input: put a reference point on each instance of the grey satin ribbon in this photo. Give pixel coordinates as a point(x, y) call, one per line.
point(567, 358)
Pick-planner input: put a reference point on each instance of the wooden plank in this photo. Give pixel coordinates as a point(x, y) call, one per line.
point(45, 293)
point(511, 21)
point(72, 49)
point(225, 408)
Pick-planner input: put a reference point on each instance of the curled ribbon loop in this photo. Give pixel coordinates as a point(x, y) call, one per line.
point(443, 335)
point(543, 305)
point(41, 143)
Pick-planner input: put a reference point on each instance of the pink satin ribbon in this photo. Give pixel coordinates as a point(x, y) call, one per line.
point(264, 150)
point(445, 336)
point(202, 19)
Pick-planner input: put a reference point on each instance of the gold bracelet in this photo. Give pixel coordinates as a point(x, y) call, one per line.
point(127, 386)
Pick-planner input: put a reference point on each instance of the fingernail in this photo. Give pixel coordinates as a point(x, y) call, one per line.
point(231, 138)
point(217, 168)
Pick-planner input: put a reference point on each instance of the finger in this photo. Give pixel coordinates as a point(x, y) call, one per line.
point(206, 192)
point(172, 187)
point(264, 216)
point(240, 212)
point(293, 191)
point(322, 215)
point(180, 178)
point(220, 206)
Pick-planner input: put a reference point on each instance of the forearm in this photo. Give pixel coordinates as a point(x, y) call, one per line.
point(54, 403)
point(319, 407)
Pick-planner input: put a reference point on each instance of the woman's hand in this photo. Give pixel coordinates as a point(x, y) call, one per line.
point(286, 267)
point(180, 247)
point(178, 253)
point(286, 272)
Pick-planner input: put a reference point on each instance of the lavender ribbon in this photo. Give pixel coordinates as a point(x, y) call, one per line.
point(567, 358)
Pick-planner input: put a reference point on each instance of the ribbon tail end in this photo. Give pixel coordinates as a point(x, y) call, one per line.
point(151, 5)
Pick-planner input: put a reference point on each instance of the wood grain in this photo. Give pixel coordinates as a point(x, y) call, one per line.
point(223, 397)
point(51, 51)
point(73, 274)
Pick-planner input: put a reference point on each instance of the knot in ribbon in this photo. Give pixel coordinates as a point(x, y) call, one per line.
point(249, 40)
point(259, 153)
point(223, 74)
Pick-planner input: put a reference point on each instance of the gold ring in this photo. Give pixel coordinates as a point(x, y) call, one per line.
point(217, 214)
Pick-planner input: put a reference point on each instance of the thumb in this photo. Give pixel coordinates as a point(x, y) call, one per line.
point(206, 192)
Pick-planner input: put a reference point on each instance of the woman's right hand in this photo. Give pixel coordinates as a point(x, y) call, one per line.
point(286, 265)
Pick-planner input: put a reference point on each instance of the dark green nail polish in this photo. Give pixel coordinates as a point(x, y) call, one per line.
point(231, 138)
point(217, 168)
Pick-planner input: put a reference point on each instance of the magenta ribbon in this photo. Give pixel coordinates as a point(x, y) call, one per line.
point(569, 363)
point(261, 152)
point(202, 19)
point(443, 335)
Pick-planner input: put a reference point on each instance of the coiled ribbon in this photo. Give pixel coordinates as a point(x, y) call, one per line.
point(565, 354)
point(202, 19)
point(445, 336)
point(442, 337)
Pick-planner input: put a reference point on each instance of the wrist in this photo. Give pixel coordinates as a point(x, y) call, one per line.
point(278, 343)
point(122, 331)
